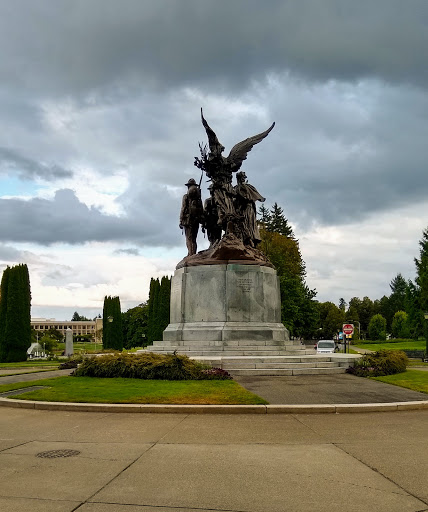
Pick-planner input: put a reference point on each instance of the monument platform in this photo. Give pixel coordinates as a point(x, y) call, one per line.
point(229, 315)
point(226, 304)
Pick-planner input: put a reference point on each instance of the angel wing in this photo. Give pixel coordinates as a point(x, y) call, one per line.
point(212, 137)
point(239, 151)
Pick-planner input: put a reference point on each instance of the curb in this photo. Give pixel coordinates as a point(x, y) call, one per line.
point(216, 409)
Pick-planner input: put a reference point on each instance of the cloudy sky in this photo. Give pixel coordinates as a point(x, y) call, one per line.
point(100, 122)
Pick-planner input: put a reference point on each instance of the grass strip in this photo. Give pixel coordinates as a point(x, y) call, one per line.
point(404, 345)
point(417, 380)
point(136, 391)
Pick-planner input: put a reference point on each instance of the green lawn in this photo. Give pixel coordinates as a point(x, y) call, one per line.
point(407, 345)
point(81, 347)
point(417, 380)
point(125, 391)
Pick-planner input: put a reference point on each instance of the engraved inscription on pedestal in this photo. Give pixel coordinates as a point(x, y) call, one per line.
point(245, 283)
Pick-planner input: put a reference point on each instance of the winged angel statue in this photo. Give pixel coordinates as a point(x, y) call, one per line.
point(219, 170)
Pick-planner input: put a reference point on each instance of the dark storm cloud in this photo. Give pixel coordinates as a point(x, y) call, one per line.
point(26, 168)
point(64, 47)
point(66, 219)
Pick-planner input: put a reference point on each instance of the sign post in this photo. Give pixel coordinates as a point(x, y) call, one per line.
point(348, 330)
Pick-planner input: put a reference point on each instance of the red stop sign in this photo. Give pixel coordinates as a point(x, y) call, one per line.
point(348, 329)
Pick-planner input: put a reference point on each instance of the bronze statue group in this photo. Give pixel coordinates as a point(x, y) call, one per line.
point(230, 209)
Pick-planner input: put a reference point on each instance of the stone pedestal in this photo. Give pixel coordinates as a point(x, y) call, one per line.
point(69, 349)
point(224, 304)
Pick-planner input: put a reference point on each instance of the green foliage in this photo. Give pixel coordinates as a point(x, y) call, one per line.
point(15, 320)
point(134, 325)
point(153, 310)
point(277, 222)
point(415, 317)
point(400, 327)
point(147, 366)
point(299, 310)
point(383, 362)
point(158, 308)
point(112, 324)
point(397, 298)
point(331, 320)
point(78, 318)
point(377, 327)
point(49, 343)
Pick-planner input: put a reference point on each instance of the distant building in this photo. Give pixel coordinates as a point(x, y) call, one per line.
point(78, 327)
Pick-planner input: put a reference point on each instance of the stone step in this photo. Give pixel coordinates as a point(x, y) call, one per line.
point(195, 353)
point(279, 365)
point(264, 372)
point(189, 345)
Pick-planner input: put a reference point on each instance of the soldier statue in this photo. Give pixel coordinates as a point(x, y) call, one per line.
point(191, 215)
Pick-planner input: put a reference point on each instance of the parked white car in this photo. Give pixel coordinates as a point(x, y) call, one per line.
point(326, 346)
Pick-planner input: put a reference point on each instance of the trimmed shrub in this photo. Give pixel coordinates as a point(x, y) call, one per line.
point(383, 362)
point(147, 366)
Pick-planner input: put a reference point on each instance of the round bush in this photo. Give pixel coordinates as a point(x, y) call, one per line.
point(383, 362)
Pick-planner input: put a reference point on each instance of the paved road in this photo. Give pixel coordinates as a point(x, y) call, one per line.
point(200, 463)
point(27, 377)
point(327, 389)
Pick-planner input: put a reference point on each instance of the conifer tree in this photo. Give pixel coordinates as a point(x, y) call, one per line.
point(299, 310)
point(112, 324)
point(164, 304)
point(15, 314)
point(422, 280)
point(278, 223)
point(153, 321)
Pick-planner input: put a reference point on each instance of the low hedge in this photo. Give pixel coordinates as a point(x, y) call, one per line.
point(148, 366)
point(383, 362)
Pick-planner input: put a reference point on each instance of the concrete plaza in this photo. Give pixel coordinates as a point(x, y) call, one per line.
point(179, 462)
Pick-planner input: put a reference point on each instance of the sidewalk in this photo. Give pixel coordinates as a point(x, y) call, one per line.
point(52, 461)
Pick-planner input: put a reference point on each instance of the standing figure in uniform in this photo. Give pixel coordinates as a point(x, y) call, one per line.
point(191, 215)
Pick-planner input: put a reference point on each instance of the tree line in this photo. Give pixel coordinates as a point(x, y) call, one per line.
point(400, 314)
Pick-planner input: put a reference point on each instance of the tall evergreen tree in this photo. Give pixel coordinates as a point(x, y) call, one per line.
point(415, 317)
point(422, 279)
point(265, 216)
point(397, 298)
point(299, 310)
point(112, 324)
point(15, 314)
point(154, 318)
point(278, 223)
point(164, 304)
point(422, 271)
